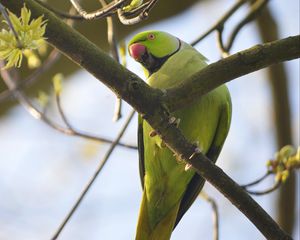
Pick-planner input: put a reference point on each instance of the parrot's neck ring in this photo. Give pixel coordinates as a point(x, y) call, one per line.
point(156, 63)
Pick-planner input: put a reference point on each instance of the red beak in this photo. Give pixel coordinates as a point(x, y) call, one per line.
point(136, 50)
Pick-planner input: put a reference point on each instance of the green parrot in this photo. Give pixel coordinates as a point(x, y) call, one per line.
point(170, 186)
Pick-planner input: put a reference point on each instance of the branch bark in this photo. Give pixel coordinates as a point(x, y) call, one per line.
point(151, 103)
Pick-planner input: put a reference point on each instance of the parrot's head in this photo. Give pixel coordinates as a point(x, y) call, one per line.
point(153, 48)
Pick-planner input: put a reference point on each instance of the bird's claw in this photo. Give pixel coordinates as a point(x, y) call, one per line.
point(187, 167)
point(196, 150)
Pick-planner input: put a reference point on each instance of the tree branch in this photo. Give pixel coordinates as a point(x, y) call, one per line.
point(234, 66)
point(149, 102)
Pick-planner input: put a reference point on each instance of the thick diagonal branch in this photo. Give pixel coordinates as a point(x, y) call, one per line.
point(150, 102)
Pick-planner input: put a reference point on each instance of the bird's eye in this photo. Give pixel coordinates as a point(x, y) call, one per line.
point(151, 36)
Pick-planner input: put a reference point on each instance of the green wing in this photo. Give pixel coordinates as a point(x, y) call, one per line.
point(197, 182)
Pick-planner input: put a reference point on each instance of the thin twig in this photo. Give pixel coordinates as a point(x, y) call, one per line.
point(123, 17)
point(256, 181)
point(112, 40)
point(136, 10)
point(24, 101)
point(11, 26)
point(75, 132)
point(220, 43)
point(220, 23)
point(6, 94)
point(271, 189)
point(36, 113)
point(113, 45)
point(149, 7)
point(129, 21)
point(256, 9)
point(118, 110)
point(93, 178)
point(61, 112)
point(215, 216)
point(103, 12)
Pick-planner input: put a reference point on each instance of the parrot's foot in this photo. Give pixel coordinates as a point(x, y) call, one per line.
point(152, 133)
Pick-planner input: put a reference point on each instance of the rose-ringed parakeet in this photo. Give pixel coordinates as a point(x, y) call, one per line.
point(169, 187)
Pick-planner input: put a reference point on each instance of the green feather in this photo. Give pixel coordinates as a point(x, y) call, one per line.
point(169, 190)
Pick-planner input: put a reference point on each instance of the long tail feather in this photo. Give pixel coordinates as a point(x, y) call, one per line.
point(162, 230)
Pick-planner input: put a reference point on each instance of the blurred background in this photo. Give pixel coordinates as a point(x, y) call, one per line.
point(42, 171)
